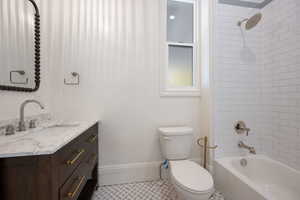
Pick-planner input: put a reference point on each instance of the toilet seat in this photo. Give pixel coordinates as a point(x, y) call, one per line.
point(191, 177)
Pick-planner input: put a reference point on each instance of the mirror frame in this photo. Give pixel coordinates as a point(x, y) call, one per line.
point(37, 56)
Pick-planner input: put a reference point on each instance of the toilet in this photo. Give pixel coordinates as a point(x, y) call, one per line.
point(190, 180)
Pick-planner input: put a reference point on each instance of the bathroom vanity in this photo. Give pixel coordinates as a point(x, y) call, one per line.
point(59, 163)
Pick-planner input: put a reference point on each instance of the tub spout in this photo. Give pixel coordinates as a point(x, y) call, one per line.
point(244, 146)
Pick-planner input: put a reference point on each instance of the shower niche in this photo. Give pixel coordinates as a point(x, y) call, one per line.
point(20, 45)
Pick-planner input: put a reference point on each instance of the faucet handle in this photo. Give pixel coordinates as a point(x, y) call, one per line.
point(240, 144)
point(247, 131)
point(9, 129)
point(240, 128)
point(32, 123)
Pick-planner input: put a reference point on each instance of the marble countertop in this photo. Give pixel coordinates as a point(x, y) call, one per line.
point(41, 141)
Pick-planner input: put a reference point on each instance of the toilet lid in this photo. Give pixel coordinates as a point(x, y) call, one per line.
point(191, 176)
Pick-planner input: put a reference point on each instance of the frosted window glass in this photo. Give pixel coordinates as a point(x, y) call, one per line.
point(180, 70)
point(180, 22)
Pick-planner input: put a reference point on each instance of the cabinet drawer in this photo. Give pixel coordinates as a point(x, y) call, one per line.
point(91, 144)
point(70, 159)
point(91, 135)
point(73, 186)
point(76, 152)
point(91, 161)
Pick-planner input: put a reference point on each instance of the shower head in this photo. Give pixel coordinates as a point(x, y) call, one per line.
point(251, 22)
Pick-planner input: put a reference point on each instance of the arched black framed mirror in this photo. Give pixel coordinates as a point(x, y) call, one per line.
point(20, 46)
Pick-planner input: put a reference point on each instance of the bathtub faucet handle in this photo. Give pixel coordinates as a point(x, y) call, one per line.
point(240, 128)
point(247, 131)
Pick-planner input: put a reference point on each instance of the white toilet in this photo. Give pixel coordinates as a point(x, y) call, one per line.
point(191, 181)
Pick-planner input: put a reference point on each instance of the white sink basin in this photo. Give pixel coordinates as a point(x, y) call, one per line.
point(61, 124)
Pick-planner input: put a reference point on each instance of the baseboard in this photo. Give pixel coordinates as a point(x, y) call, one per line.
point(129, 173)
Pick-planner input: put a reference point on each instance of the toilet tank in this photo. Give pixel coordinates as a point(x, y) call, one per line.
point(176, 142)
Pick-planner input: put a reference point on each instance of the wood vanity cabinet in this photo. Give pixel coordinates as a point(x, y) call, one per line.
point(69, 174)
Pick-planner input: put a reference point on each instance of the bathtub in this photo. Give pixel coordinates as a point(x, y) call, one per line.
point(261, 179)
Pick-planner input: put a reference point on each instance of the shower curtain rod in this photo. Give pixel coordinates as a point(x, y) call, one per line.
point(247, 4)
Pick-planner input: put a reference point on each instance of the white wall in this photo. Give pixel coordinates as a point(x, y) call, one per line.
point(116, 48)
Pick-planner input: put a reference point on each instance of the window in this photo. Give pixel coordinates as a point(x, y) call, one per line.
point(180, 77)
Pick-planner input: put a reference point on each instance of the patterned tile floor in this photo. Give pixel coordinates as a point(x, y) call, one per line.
point(153, 190)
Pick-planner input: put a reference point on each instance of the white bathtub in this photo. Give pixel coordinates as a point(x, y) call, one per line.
point(262, 178)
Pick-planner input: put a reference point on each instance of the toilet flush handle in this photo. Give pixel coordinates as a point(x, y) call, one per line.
point(167, 138)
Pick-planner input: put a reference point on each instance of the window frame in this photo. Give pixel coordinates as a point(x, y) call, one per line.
point(165, 90)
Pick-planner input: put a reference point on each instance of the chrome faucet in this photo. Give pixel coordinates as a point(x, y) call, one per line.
point(9, 129)
point(244, 146)
point(22, 125)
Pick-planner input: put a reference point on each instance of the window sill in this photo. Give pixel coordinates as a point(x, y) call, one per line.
point(180, 93)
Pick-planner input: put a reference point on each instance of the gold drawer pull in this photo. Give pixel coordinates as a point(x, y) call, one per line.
point(71, 162)
point(93, 139)
point(72, 194)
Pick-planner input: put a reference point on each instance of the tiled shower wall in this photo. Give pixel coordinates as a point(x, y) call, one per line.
point(259, 84)
point(280, 136)
point(237, 78)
